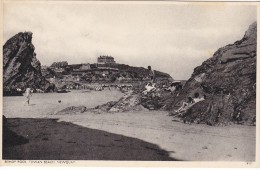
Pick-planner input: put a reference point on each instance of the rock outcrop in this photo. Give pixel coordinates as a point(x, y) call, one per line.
point(20, 65)
point(130, 102)
point(72, 110)
point(228, 80)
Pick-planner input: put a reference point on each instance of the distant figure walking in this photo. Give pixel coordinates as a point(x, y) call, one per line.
point(151, 74)
point(28, 94)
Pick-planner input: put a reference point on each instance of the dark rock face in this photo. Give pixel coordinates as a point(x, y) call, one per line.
point(228, 80)
point(20, 65)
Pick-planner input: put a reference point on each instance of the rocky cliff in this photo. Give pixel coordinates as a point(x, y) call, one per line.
point(20, 65)
point(228, 80)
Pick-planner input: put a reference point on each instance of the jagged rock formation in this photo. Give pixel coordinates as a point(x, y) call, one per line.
point(20, 65)
point(130, 102)
point(228, 80)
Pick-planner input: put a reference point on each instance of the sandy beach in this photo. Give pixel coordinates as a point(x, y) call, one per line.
point(153, 132)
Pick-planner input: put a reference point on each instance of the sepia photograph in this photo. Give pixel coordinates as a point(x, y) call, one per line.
point(129, 81)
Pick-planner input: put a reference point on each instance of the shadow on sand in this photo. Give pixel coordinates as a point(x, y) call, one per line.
point(47, 139)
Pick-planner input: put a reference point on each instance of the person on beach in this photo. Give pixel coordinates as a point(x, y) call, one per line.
point(149, 88)
point(197, 98)
point(151, 74)
point(185, 105)
point(28, 94)
point(172, 88)
point(191, 101)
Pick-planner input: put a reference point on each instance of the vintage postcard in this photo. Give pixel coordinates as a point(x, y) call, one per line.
point(127, 83)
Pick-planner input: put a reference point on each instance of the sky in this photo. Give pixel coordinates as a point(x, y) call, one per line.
point(172, 38)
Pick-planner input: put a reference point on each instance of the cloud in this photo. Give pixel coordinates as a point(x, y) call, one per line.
point(172, 38)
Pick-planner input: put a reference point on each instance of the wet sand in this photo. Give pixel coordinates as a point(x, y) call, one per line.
point(177, 140)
